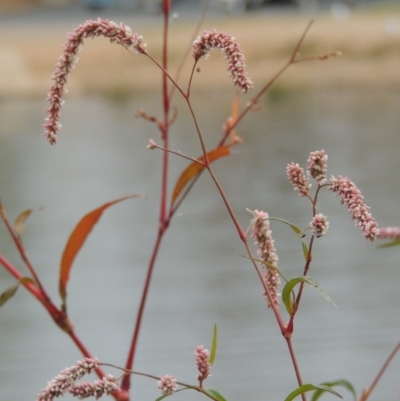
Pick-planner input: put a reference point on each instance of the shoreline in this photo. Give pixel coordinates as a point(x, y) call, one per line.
point(369, 42)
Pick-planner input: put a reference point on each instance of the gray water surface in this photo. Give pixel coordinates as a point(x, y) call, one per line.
point(199, 277)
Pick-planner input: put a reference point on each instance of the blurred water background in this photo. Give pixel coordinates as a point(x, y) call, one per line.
point(200, 278)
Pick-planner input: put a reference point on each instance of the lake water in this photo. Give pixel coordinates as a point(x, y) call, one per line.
point(200, 278)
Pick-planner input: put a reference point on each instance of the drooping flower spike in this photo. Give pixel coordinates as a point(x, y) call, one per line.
point(236, 61)
point(120, 34)
point(66, 379)
point(352, 198)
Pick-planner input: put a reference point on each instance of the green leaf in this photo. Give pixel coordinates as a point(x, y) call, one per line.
point(305, 250)
point(213, 345)
point(214, 394)
point(310, 387)
point(288, 288)
point(10, 292)
point(390, 244)
point(296, 229)
point(343, 383)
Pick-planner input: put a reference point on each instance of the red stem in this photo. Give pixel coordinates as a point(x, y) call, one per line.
point(163, 218)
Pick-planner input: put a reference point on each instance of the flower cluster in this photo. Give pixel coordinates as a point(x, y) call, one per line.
point(66, 379)
point(389, 233)
point(354, 201)
point(317, 165)
point(202, 362)
point(262, 235)
point(319, 225)
point(226, 43)
point(167, 384)
point(298, 179)
point(97, 389)
point(120, 34)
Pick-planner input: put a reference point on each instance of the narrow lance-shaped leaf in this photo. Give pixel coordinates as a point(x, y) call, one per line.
point(215, 394)
point(19, 223)
point(10, 292)
point(76, 241)
point(213, 352)
point(342, 383)
point(310, 387)
point(288, 288)
point(195, 168)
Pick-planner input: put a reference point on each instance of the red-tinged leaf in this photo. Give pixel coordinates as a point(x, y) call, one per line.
point(10, 292)
point(195, 168)
point(19, 223)
point(77, 239)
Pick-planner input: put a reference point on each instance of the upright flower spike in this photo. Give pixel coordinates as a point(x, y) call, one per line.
point(167, 384)
point(236, 65)
point(317, 165)
point(202, 362)
point(298, 179)
point(352, 198)
point(262, 235)
point(120, 34)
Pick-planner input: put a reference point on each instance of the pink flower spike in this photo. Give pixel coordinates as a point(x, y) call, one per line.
point(319, 225)
point(167, 384)
point(389, 233)
point(266, 249)
point(351, 197)
point(66, 378)
point(298, 179)
point(317, 165)
point(236, 65)
point(120, 34)
point(202, 362)
point(97, 389)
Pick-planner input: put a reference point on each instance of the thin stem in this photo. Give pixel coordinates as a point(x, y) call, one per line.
point(189, 47)
point(256, 99)
point(21, 250)
point(367, 392)
point(296, 366)
point(155, 146)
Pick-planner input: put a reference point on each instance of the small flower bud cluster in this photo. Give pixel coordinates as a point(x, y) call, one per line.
point(317, 165)
point(236, 65)
point(120, 34)
point(202, 362)
point(97, 389)
point(66, 379)
point(262, 235)
point(319, 225)
point(389, 233)
point(167, 384)
point(352, 198)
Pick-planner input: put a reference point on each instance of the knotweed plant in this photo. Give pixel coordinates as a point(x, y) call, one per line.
point(282, 296)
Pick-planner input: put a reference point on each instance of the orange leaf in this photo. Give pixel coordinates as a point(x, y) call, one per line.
point(19, 223)
point(76, 241)
point(232, 119)
point(195, 168)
